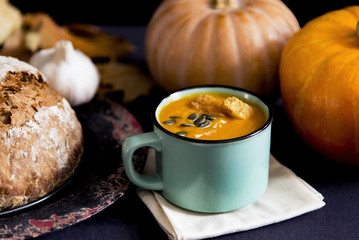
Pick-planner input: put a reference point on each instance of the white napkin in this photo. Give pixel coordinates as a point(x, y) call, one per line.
point(287, 196)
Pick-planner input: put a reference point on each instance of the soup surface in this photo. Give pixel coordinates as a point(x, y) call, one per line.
point(211, 116)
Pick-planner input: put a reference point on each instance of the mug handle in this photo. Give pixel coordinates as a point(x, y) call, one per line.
point(130, 145)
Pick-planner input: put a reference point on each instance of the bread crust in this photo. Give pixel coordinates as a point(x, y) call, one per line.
point(41, 137)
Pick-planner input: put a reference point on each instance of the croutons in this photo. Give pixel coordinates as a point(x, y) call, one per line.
point(236, 108)
point(231, 106)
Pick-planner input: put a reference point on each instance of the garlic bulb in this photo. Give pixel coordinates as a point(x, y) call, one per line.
point(68, 71)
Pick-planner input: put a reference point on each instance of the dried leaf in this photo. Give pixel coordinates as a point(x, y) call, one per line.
point(40, 31)
point(95, 43)
point(14, 46)
point(123, 77)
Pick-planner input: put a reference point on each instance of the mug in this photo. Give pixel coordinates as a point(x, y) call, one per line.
point(208, 176)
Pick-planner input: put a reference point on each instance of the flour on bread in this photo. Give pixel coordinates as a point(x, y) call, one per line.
point(10, 64)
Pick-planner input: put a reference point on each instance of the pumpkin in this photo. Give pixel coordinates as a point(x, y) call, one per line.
point(319, 83)
point(228, 42)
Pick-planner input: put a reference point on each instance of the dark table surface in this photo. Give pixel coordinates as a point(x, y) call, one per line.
point(129, 218)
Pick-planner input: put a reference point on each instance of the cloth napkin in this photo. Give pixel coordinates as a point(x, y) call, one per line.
point(287, 196)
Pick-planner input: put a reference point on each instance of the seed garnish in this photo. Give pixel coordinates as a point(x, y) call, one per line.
point(169, 122)
point(200, 121)
point(187, 125)
point(182, 133)
point(209, 117)
point(205, 124)
point(193, 116)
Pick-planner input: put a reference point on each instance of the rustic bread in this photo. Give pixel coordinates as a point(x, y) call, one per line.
point(41, 137)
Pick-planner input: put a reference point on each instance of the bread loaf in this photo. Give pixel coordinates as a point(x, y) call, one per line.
point(41, 137)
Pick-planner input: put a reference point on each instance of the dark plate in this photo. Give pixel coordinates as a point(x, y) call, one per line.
point(98, 182)
point(38, 201)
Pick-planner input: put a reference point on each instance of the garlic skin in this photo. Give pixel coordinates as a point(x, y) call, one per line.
point(68, 71)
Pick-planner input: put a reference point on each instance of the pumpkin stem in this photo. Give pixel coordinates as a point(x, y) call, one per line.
point(224, 4)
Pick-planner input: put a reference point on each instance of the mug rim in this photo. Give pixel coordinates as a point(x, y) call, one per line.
point(241, 138)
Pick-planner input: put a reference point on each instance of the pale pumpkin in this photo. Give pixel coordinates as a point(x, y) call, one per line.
point(228, 42)
point(319, 82)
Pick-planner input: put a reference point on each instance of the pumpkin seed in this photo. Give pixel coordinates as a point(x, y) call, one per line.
point(209, 117)
point(175, 117)
point(187, 125)
point(169, 122)
point(193, 116)
point(182, 133)
point(204, 124)
point(200, 120)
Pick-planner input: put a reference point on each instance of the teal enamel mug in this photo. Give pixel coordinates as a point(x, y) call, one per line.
point(205, 175)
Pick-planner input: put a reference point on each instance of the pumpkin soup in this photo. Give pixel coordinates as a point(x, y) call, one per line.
point(211, 116)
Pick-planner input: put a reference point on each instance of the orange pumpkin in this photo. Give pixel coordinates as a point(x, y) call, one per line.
point(319, 82)
point(229, 42)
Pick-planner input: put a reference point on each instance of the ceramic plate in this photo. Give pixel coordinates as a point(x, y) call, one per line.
point(97, 183)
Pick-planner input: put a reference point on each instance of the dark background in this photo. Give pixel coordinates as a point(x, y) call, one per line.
point(129, 218)
point(106, 12)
